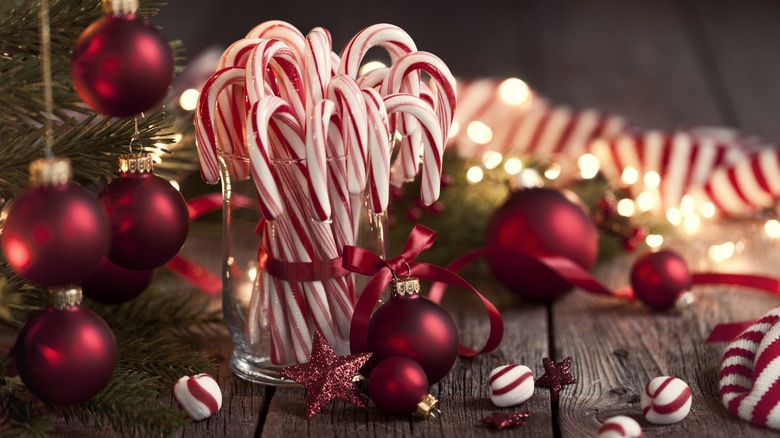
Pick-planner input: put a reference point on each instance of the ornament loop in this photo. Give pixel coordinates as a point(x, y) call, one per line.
point(50, 172)
point(136, 163)
point(120, 7)
point(64, 297)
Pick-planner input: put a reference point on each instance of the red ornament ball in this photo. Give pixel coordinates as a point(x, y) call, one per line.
point(113, 284)
point(121, 66)
point(149, 220)
point(397, 385)
point(541, 221)
point(415, 327)
point(66, 356)
point(659, 278)
point(55, 234)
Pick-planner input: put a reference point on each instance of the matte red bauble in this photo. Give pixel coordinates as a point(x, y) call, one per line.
point(121, 66)
point(415, 327)
point(55, 232)
point(397, 385)
point(149, 218)
point(659, 278)
point(113, 284)
point(67, 354)
point(540, 221)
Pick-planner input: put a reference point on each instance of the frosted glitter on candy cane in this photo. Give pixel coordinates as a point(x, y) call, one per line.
point(198, 395)
point(511, 385)
point(666, 400)
point(750, 372)
point(620, 427)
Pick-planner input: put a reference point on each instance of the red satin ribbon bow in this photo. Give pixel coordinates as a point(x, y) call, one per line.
point(365, 262)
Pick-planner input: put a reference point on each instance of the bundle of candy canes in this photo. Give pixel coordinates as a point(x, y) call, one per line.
point(319, 139)
point(738, 174)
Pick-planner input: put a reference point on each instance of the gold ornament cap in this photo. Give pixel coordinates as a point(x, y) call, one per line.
point(427, 406)
point(121, 7)
point(50, 172)
point(404, 286)
point(136, 163)
point(62, 298)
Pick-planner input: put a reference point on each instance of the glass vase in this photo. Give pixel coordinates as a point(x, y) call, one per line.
point(278, 282)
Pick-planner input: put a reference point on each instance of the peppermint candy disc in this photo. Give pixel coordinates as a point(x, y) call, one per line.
point(198, 395)
point(620, 427)
point(511, 385)
point(666, 400)
point(750, 371)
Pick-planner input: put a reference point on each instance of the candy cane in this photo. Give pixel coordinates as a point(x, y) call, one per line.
point(282, 31)
point(205, 114)
point(318, 65)
point(379, 151)
point(432, 140)
point(352, 109)
point(317, 122)
point(277, 55)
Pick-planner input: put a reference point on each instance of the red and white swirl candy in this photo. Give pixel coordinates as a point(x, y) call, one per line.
point(666, 400)
point(750, 373)
point(620, 427)
point(511, 385)
point(198, 395)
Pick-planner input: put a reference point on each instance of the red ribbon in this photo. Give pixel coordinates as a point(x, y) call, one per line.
point(365, 262)
point(319, 270)
point(193, 273)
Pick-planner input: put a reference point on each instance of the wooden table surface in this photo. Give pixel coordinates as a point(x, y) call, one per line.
point(660, 64)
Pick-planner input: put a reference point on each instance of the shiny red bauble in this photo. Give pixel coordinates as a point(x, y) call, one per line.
point(113, 284)
point(55, 234)
point(149, 220)
point(66, 356)
point(415, 327)
point(121, 66)
point(397, 385)
point(659, 278)
point(539, 221)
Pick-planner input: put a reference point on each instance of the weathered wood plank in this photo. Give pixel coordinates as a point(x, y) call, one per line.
point(629, 58)
point(619, 346)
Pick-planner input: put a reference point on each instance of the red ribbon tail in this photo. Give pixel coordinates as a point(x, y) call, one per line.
point(766, 284)
point(728, 332)
point(196, 275)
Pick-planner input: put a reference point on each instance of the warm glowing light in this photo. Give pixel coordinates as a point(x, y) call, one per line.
point(528, 178)
point(772, 228)
point(630, 175)
point(492, 159)
point(475, 174)
point(626, 207)
point(370, 66)
point(652, 179)
point(722, 252)
point(189, 99)
point(654, 240)
point(674, 216)
point(691, 223)
point(514, 91)
point(687, 205)
point(251, 273)
point(513, 166)
point(645, 201)
point(589, 166)
point(553, 171)
point(454, 128)
point(479, 132)
point(708, 210)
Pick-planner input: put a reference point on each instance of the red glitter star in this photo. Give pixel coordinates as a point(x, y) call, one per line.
point(556, 374)
point(503, 420)
point(327, 376)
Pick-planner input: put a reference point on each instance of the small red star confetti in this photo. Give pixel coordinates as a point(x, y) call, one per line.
point(327, 376)
point(503, 420)
point(556, 374)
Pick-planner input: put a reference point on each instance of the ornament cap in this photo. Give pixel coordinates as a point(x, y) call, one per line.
point(121, 7)
point(50, 172)
point(427, 406)
point(136, 163)
point(404, 286)
point(62, 298)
